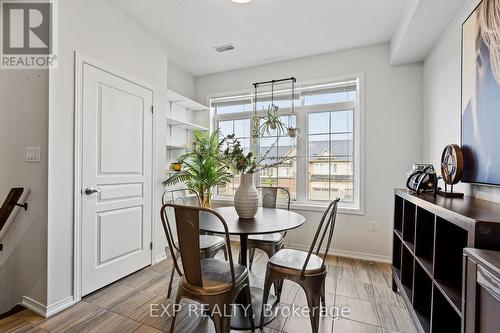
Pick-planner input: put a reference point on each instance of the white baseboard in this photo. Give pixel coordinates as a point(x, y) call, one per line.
point(338, 253)
point(348, 254)
point(47, 311)
point(160, 257)
point(34, 306)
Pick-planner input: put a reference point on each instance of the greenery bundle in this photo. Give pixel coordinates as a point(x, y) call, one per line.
point(248, 163)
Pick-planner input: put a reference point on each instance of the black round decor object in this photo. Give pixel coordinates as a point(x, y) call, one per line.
point(452, 164)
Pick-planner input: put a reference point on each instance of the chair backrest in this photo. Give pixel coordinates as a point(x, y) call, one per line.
point(178, 196)
point(187, 220)
point(175, 196)
point(326, 225)
point(270, 196)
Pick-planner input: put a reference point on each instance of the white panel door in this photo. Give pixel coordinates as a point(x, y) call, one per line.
point(116, 177)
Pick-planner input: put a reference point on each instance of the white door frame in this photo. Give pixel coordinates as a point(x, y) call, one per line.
point(80, 61)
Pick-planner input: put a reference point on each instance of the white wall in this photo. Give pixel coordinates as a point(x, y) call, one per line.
point(441, 99)
point(180, 81)
point(392, 135)
point(97, 30)
point(24, 118)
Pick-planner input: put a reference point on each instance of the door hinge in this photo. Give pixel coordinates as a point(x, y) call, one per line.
point(151, 245)
point(152, 109)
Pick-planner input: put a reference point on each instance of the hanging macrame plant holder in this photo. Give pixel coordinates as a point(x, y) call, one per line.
point(271, 120)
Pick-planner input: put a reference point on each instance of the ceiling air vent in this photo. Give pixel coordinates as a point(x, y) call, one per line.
point(224, 48)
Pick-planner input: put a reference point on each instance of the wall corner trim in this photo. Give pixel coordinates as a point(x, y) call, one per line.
point(47, 311)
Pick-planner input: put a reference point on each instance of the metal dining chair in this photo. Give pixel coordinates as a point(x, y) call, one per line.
point(209, 281)
point(209, 245)
point(307, 269)
point(269, 243)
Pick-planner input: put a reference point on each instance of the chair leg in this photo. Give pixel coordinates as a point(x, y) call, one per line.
point(251, 254)
point(267, 288)
point(278, 284)
point(222, 323)
point(322, 296)
point(278, 289)
point(248, 299)
point(313, 302)
point(171, 278)
point(177, 301)
point(224, 249)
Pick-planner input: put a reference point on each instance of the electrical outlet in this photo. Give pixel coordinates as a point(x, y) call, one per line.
point(373, 226)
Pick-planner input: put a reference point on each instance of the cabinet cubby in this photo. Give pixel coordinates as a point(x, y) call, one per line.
point(448, 260)
point(444, 318)
point(407, 266)
point(396, 254)
point(422, 297)
point(424, 239)
point(409, 224)
point(430, 233)
point(398, 214)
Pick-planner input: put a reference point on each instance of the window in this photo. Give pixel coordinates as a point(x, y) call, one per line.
point(330, 141)
point(328, 153)
point(329, 94)
point(279, 146)
point(241, 128)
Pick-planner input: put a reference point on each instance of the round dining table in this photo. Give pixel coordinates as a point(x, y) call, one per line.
point(266, 221)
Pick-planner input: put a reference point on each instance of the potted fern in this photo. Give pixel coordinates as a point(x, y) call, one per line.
point(203, 167)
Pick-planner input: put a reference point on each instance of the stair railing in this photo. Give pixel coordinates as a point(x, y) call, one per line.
point(8, 206)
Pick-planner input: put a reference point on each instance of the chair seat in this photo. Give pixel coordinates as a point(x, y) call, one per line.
point(216, 276)
point(209, 242)
point(295, 259)
point(268, 238)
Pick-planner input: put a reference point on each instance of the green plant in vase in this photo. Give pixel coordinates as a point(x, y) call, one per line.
point(203, 167)
point(246, 197)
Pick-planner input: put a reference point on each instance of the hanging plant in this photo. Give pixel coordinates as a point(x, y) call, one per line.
point(255, 127)
point(272, 121)
point(292, 132)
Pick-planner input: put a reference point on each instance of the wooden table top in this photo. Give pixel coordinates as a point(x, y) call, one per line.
point(266, 221)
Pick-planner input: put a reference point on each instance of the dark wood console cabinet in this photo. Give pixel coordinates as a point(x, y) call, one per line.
point(430, 234)
point(481, 291)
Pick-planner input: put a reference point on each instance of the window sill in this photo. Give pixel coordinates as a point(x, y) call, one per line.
point(305, 206)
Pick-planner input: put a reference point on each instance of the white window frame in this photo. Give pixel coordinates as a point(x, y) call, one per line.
point(302, 113)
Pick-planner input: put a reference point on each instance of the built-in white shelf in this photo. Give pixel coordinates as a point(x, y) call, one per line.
point(185, 124)
point(185, 102)
point(177, 147)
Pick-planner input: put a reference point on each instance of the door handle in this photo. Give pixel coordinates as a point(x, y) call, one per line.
point(92, 190)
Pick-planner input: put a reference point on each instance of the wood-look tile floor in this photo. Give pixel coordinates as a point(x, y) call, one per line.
point(124, 307)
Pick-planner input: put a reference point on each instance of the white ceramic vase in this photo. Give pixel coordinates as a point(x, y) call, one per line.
point(246, 198)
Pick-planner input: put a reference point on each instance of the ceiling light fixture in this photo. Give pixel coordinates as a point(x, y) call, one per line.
point(241, 1)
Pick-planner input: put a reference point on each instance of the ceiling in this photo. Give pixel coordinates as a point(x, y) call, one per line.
point(420, 27)
point(262, 31)
point(266, 31)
